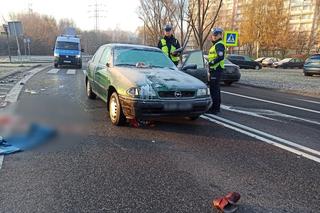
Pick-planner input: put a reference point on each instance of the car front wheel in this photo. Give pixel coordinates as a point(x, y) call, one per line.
point(115, 111)
point(90, 93)
point(257, 67)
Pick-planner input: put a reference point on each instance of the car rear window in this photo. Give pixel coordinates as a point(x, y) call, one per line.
point(315, 57)
point(65, 45)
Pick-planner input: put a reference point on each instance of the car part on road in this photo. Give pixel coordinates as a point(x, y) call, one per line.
point(224, 205)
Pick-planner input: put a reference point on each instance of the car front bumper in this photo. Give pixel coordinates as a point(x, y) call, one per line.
point(71, 60)
point(148, 109)
point(311, 70)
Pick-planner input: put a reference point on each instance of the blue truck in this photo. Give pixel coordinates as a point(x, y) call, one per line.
point(67, 51)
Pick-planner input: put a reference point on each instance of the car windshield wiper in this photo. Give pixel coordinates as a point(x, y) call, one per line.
point(131, 65)
point(157, 66)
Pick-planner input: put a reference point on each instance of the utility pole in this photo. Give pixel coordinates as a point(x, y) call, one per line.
point(97, 10)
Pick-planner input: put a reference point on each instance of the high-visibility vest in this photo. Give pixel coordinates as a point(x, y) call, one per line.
point(165, 49)
point(213, 55)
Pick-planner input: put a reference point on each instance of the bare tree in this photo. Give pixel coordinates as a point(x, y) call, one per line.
point(202, 16)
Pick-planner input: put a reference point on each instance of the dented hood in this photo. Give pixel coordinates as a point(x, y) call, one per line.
point(161, 79)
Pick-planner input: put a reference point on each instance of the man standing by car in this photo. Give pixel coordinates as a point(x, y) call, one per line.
point(168, 44)
point(216, 59)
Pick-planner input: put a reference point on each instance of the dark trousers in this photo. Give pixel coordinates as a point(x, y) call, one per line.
point(215, 89)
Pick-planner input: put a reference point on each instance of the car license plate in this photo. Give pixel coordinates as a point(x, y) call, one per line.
point(67, 62)
point(178, 106)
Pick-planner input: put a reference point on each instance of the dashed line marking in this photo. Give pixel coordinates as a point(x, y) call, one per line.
point(71, 72)
point(53, 71)
point(309, 101)
point(1, 161)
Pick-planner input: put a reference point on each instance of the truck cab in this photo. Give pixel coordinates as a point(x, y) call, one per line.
point(67, 51)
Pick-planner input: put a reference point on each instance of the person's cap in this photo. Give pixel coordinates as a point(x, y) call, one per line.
point(217, 31)
point(167, 28)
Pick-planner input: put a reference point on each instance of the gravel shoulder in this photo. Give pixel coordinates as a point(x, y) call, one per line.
point(7, 69)
point(287, 80)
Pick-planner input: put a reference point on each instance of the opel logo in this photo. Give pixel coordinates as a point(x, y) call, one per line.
point(177, 94)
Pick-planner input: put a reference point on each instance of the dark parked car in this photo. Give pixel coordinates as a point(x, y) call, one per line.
point(141, 82)
point(268, 62)
point(312, 65)
point(244, 62)
point(230, 74)
point(289, 63)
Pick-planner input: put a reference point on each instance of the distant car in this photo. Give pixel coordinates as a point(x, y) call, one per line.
point(289, 63)
point(230, 74)
point(244, 62)
point(268, 62)
point(312, 65)
point(141, 82)
point(259, 60)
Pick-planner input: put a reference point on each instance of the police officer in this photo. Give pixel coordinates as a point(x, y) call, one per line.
point(216, 59)
point(168, 44)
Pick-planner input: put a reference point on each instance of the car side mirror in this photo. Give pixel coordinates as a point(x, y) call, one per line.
point(189, 67)
point(82, 50)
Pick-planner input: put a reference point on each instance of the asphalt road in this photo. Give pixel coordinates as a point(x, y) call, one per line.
point(264, 145)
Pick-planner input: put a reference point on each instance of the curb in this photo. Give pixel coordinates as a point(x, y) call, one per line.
point(26, 70)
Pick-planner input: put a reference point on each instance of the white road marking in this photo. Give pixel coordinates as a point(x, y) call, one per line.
point(266, 134)
point(314, 102)
point(4, 88)
point(1, 161)
point(262, 113)
point(71, 72)
point(53, 71)
point(272, 102)
point(271, 142)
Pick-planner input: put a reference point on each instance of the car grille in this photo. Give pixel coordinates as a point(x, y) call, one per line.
point(176, 94)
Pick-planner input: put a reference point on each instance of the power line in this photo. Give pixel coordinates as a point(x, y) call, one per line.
point(98, 12)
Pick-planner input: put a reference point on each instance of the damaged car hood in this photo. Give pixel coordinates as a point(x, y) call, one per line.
point(159, 78)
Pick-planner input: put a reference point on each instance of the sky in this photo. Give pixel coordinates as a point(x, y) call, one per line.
point(118, 13)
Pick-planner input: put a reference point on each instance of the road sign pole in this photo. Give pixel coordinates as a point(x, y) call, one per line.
point(29, 50)
point(17, 40)
point(9, 51)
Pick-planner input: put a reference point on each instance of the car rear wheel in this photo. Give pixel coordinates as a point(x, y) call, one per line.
point(90, 93)
point(228, 83)
point(115, 111)
point(193, 118)
point(307, 74)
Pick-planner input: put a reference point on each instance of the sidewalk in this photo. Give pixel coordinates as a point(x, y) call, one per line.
point(288, 80)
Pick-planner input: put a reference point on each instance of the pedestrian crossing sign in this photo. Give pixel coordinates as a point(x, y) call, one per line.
point(231, 38)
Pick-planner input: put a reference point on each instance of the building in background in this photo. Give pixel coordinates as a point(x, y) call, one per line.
point(304, 18)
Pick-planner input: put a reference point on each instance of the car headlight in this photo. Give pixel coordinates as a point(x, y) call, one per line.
point(78, 56)
point(55, 54)
point(203, 92)
point(144, 92)
point(133, 92)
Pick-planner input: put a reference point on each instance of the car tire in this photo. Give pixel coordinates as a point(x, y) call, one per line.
point(115, 110)
point(228, 83)
point(56, 65)
point(257, 67)
point(193, 118)
point(307, 74)
point(90, 93)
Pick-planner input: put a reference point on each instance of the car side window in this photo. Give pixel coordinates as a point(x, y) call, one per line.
point(105, 56)
point(247, 58)
point(195, 58)
point(97, 55)
point(240, 58)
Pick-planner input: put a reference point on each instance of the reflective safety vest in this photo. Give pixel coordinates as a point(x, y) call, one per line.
point(165, 49)
point(213, 55)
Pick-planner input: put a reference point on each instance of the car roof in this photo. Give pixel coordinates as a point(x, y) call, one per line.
point(135, 46)
point(68, 39)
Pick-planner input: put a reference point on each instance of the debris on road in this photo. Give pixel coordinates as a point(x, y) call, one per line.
point(32, 92)
point(227, 203)
point(141, 123)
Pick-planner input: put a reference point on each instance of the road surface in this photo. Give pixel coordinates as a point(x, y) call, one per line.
point(264, 145)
